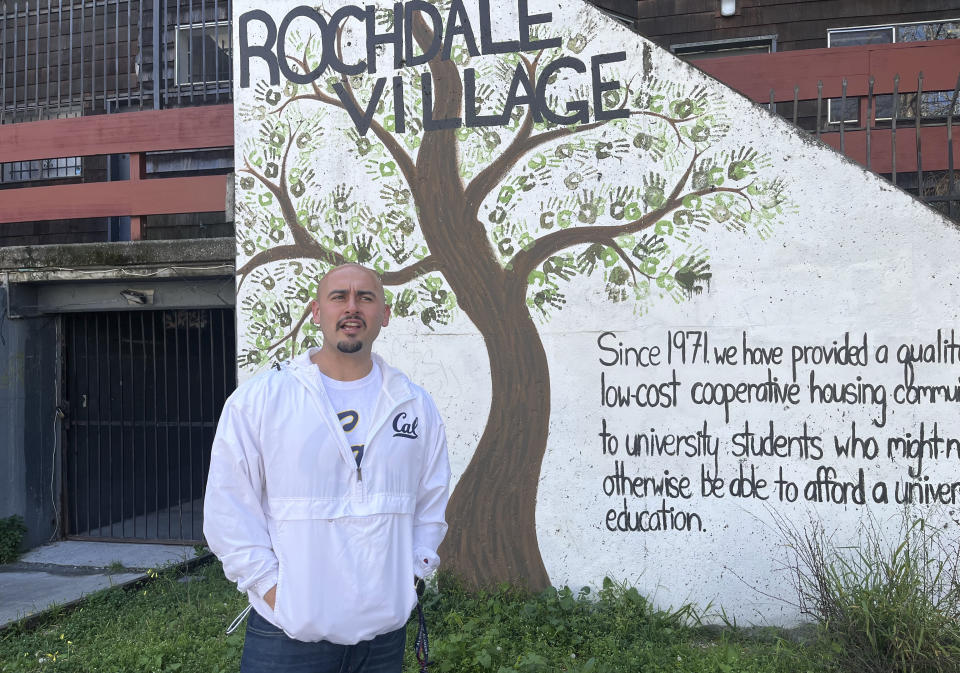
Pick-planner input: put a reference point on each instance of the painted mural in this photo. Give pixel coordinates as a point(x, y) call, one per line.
point(651, 314)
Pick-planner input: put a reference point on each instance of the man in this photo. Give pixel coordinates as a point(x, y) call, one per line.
point(326, 494)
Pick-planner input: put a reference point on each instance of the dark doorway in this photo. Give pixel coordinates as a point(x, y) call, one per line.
point(144, 390)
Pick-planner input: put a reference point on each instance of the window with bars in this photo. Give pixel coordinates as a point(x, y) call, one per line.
point(203, 53)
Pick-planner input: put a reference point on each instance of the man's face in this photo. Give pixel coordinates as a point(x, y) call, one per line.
point(350, 309)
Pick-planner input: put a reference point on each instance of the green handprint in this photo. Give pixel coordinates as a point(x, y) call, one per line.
point(654, 190)
point(397, 250)
point(707, 174)
point(742, 164)
point(618, 276)
point(589, 207)
point(402, 305)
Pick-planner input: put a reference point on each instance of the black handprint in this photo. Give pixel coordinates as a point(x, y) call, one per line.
point(402, 304)
point(341, 196)
point(544, 300)
point(397, 250)
point(692, 274)
point(561, 267)
point(364, 246)
point(432, 314)
point(589, 258)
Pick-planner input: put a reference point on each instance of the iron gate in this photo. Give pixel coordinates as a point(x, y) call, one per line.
point(144, 390)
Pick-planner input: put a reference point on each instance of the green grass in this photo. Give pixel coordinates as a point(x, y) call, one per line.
point(169, 625)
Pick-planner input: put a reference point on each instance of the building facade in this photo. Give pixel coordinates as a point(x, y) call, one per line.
point(116, 227)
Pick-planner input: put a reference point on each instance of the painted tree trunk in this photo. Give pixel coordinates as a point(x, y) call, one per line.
point(492, 512)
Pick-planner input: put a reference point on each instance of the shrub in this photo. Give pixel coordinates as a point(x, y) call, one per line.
point(882, 606)
point(12, 531)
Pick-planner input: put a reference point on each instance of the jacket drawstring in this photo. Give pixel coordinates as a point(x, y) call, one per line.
point(236, 622)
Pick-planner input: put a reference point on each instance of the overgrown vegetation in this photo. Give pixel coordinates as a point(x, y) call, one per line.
point(890, 607)
point(885, 605)
point(176, 622)
point(12, 531)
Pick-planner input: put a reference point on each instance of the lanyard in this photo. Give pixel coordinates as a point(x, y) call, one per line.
point(422, 643)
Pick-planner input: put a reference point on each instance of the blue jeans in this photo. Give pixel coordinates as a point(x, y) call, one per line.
point(267, 649)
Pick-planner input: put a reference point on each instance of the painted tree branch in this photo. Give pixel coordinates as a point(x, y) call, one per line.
point(287, 252)
point(404, 162)
point(291, 252)
point(527, 260)
point(300, 235)
point(293, 333)
point(634, 269)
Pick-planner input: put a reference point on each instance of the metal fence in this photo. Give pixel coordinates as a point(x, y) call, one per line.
point(80, 57)
point(907, 136)
point(143, 393)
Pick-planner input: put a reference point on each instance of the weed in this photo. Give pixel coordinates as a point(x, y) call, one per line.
point(12, 532)
point(883, 606)
point(115, 566)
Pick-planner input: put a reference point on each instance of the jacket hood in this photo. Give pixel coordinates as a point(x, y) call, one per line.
point(396, 385)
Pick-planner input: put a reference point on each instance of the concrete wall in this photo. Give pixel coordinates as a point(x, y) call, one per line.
point(28, 454)
point(46, 281)
point(567, 292)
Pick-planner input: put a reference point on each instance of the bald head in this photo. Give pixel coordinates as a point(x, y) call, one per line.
point(325, 279)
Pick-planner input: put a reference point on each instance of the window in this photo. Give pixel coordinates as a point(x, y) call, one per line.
point(700, 51)
point(203, 53)
point(932, 103)
point(41, 169)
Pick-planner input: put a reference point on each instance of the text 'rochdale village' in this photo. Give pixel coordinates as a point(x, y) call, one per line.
point(408, 29)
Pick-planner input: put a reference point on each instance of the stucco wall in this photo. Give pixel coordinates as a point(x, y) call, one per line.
point(676, 219)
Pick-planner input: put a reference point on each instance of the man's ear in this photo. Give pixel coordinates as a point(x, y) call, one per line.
point(386, 316)
point(314, 308)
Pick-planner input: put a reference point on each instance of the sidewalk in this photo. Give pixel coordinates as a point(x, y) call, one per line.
point(63, 572)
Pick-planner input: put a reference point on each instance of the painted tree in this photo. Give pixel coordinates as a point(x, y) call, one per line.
point(490, 221)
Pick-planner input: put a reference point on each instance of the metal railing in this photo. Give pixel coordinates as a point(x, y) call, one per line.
point(877, 118)
point(891, 108)
point(81, 57)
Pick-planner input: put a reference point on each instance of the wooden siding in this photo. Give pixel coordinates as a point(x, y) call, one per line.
point(205, 193)
point(148, 131)
point(134, 134)
point(798, 24)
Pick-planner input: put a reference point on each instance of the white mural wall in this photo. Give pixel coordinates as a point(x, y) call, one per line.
point(656, 319)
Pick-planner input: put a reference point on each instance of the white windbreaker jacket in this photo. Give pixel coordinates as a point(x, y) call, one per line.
point(285, 503)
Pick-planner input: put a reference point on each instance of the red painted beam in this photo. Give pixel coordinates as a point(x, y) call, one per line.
point(147, 131)
point(933, 142)
point(203, 194)
point(755, 75)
